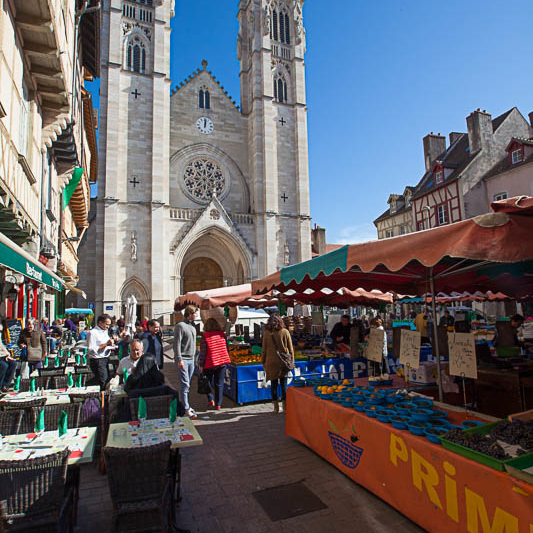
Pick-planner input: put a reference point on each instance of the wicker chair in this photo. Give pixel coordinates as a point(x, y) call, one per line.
point(35, 495)
point(61, 382)
point(140, 487)
point(40, 383)
point(52, 371)
point(52, 414)
point(11, 422)
point(27, 425)
point(83, 369)
point(156, 406)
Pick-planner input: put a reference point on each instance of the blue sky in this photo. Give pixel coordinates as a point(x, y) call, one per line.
point(380, 76)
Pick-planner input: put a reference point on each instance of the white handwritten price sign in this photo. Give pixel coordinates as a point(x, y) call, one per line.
point(374, 350)
point(410, 348)
point(462, 348)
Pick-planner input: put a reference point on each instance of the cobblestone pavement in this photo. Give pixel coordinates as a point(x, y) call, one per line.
point(245, 450)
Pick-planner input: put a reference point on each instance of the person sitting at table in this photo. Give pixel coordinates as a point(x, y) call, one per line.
point(130, 361)
point(146, 379)
point(340, 332)
point(446, 319)
point(8, 365)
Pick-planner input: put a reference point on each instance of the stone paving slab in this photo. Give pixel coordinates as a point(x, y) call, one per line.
point(245, 450)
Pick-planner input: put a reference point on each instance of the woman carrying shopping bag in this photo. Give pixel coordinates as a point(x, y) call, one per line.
point(213, 360)
point(32, 338)
point(277, 358)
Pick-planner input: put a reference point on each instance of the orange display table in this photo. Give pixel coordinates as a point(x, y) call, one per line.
point(441, 491)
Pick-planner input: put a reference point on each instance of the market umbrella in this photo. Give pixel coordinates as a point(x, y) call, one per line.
point(238, 295)
point(338, 298)
point(131, 315)
point(489, 252)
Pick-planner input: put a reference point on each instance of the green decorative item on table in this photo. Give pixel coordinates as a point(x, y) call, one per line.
point(173, 413)
point(125, 376)
point(45, 364)
point(60, 352)
point(78, 359)
point(119, 353)
point(16, 385)
point(141, 412)
point(39, 422)
point(85, 351)
point(78, 381)
point(32, 385)
point(56, 361)
point(63, 425)
point(70, 380)
point(84, 359)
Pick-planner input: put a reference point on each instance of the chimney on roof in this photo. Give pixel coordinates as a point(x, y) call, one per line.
point(434, 145)
point(454, 135)
point(480, 130)
point(318, 240)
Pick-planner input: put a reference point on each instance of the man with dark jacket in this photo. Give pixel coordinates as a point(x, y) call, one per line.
point(153, 342)
point(341, 331)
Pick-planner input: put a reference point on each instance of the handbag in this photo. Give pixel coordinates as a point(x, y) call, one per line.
point(203, 384)
point(285, 359)
point(35, 355)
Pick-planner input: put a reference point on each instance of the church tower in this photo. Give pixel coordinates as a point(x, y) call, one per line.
point(271, 49)
point(133, 155)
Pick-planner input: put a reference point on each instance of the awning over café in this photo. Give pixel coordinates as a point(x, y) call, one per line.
point(15, 258)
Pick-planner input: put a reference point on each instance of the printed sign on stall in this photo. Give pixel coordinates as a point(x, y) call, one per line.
point(410, 348)
point(374, 351)
point(462, 348)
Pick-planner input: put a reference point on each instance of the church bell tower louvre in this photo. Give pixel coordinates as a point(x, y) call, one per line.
point(193, 191)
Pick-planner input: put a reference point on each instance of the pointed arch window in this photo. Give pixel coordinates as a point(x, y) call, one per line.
point(280, 29)
point(280, 89)
point(136, 55)
point(204, 98)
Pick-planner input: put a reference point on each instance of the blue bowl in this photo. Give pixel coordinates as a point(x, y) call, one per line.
point(370, 412)
point(394, 398)
point(346, 403)
point(419, 429)
point(438, 414)
point(326, 396)
point(359, 396)
point(384, 415)
point(376, 399)
point(366, 388)
point(422, 402)
point(336, 398)
point(439, 422)
point(383, 383)
point(360, 408)
point(420, 415)
point(404, 408)
point(472, 424)
point(434, 438)
point(400, 422)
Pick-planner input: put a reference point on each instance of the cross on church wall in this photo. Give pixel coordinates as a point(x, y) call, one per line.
point(134, 182)
point(136, 93)
point(282, 121)
point(284, 197)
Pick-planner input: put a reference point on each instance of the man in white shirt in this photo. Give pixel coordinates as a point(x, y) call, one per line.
point(130, 362)
point(99, 346)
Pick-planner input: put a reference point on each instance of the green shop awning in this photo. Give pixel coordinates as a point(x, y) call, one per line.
point(15, 258)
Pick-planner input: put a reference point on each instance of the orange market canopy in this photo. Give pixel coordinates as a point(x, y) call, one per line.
point(492, 252)
point(225, 296)
point(342, 297)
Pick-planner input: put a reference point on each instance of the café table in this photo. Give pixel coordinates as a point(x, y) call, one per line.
point(182, 434)
point(53, 396)
point(80, 441)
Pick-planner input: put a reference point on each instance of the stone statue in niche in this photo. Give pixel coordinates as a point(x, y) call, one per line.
point(286, 254)
point(266, 20)
point(133, 255)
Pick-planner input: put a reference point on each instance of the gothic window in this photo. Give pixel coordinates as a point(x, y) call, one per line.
point(136, 55)
point(204, 98)
point(280, 89)
point(203, 178)
point(280, 29)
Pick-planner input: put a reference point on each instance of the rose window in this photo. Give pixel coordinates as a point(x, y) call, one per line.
point(203, 178)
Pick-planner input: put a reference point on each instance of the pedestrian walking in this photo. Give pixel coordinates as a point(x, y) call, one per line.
point(213, 360)
point(276, 339)
point(8, 365)
point(184, 354)
point(33, 340)
point(153, 342)
point(99, 347)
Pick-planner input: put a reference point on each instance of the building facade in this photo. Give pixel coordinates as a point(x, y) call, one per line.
point(47, 130)
point(195, 192)
point(462, 175)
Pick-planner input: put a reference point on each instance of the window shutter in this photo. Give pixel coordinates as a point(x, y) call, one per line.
point(275, 24)
point(207, 100)
point(201, 99)
point(287, 30)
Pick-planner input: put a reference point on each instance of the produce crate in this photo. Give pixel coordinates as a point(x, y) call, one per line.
point(515, 467)
point(510, 351)
point(479, 457)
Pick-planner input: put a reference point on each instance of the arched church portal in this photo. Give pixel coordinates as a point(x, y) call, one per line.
point(213, 260)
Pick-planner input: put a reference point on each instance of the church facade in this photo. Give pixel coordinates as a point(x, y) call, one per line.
point(193, 191)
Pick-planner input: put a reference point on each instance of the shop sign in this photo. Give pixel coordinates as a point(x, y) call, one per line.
point(11, 259)
point(109, 308)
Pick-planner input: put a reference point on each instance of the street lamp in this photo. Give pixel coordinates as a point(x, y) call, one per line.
point(12, 293)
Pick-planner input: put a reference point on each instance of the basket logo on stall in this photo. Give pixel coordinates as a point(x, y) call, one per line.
point(348, 453)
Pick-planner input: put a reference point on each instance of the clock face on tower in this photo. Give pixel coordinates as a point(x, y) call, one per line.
point(205, 125)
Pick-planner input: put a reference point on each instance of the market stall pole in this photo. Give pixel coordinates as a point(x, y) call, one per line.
point(435, 333)
point(491, 252)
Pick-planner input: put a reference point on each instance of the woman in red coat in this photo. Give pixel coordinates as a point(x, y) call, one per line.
point(213, 360)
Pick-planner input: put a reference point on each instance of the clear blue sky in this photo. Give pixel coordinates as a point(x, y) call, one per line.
point(380, 76)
